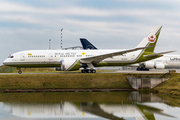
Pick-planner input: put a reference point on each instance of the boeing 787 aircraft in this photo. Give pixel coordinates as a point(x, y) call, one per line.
point(70, 60)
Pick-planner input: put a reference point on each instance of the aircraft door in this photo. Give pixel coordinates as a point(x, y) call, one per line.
point(132, 56)
point(22, 57)
point(50, 56)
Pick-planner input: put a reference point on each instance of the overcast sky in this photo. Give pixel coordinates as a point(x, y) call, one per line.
point(29, 24)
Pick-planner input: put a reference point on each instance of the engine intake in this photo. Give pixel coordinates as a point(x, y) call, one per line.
point(151, 65)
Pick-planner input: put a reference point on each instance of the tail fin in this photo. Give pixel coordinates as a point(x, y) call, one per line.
point(151, 39)
point(86, 44)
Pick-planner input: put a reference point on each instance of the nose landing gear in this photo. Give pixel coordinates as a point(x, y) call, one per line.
point(19, 70)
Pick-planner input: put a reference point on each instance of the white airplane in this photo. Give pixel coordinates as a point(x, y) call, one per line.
point(159, 63)
point(70, 60)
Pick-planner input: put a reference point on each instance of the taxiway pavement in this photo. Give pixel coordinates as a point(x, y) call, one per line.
point(116, 71)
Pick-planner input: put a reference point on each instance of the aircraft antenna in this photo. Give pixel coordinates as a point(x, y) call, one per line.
point(61, 38)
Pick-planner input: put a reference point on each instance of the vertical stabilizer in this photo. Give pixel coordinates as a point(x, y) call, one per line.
point(86, 44)
point(151, 39)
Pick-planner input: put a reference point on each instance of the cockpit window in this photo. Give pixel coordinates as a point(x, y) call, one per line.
point(11, 56)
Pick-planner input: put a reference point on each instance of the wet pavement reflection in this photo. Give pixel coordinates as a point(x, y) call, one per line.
point(87, 106)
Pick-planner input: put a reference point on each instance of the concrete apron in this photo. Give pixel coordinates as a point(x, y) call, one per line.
point(140, 83)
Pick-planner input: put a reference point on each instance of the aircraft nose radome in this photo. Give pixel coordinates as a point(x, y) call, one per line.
point(5, 62)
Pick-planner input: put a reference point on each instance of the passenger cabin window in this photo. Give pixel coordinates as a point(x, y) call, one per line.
point(36, 56)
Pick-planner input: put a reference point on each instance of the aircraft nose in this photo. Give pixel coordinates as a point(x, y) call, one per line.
point(5, 62)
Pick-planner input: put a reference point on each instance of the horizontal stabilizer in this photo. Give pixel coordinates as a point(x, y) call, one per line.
point(156, 54)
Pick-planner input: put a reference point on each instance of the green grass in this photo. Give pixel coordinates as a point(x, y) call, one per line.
point(78, 80)
point(70, 80)
point(6, 69)
point(171, 86)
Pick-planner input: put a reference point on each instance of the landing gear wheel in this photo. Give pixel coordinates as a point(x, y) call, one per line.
point(142, 69)
point(83, 71)
point(88, 71)
point(19, 71)
point(93, 71)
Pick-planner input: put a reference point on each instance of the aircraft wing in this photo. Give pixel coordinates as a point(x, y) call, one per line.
point(156, 54)
point(101, 57)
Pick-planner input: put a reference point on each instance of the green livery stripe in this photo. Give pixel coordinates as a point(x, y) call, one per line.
point(74, 66)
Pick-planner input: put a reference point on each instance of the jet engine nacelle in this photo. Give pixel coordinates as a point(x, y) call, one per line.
point(159, 66)
point(70, 64)
point(149, 65)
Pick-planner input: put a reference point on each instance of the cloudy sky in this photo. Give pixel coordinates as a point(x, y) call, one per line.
point(29, 24)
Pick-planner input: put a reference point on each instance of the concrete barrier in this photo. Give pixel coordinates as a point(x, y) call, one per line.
point(139, 83)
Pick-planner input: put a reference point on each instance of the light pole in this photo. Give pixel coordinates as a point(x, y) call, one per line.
point(61, 38)
point(49, 44)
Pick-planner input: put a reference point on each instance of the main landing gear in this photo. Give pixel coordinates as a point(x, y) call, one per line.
point(142, 68)
point(88, 71)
